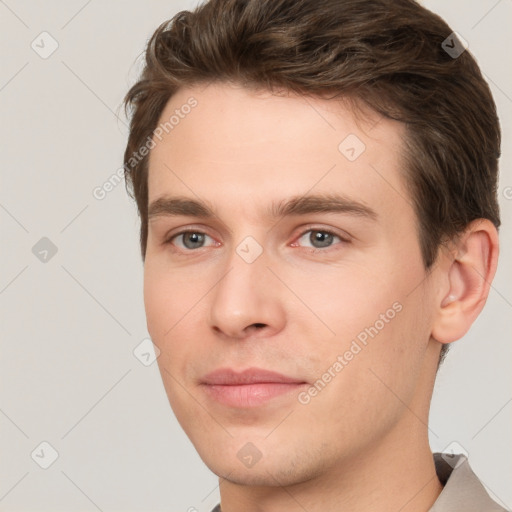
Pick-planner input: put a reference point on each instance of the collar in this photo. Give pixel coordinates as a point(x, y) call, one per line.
point(463, 491)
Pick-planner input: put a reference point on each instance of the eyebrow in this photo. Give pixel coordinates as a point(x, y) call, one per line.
point(297, 205)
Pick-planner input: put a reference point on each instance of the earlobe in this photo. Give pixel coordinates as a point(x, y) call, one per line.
point(469, 276)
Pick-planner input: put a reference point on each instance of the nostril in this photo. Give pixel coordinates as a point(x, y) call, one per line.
point(259, 325)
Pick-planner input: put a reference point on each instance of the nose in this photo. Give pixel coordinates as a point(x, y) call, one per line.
point(247, 300)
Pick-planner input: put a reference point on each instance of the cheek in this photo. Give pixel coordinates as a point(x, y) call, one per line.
point(361, 397)
point(347, 299)
point(166, 308)
point(168, 296)
point(374, 319)
point(175, 307)
point(157, 304)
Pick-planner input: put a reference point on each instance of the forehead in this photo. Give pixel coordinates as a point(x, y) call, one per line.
point(255, 147)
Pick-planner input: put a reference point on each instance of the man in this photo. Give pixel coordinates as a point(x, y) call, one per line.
point(316, 182)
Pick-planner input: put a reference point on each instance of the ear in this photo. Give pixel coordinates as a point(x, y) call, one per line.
point(467, 275)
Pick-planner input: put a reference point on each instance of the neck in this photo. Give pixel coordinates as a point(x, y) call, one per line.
point(398, 475)
point(392, 474)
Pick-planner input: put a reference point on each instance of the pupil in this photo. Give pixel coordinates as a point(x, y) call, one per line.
point(193, 240)
point(321, 238)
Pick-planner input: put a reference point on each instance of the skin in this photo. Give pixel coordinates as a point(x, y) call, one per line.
point(362, 442)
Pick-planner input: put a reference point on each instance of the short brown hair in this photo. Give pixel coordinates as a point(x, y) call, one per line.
point(387, 54)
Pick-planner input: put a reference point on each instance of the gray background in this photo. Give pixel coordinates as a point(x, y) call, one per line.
point(70, 324)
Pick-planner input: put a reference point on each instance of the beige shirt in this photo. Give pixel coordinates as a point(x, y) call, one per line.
point(463, 491)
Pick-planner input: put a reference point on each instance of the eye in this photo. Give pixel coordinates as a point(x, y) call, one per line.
point(318, 238)
point(189, 240)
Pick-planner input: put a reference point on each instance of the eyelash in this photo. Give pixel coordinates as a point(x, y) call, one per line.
point(343, 240)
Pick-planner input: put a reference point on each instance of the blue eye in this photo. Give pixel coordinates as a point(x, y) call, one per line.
point(315, 239)
point(319, 238)
point(190, 239)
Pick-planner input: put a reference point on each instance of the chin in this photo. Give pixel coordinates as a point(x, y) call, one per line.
point(247, 477)
point(266, 472)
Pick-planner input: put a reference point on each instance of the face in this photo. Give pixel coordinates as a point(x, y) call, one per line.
point(284, 284)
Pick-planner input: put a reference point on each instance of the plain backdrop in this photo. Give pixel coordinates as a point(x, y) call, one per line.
point(71, 276)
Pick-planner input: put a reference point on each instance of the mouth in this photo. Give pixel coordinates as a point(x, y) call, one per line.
point(250, 388)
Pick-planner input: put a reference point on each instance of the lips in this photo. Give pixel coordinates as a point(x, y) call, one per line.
point(228, 377)
point(249, 388)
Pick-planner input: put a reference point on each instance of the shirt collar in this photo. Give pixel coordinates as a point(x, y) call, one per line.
point(463, 491)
